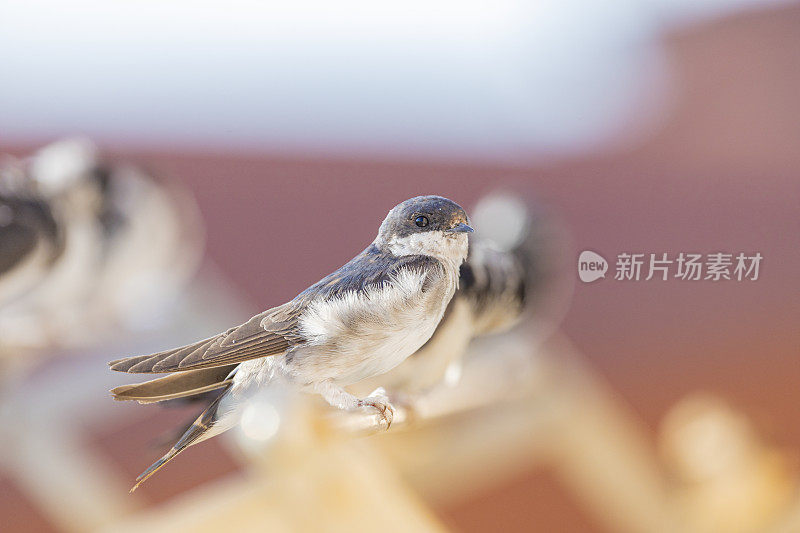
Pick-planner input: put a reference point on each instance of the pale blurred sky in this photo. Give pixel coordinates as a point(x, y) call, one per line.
point(500, 80)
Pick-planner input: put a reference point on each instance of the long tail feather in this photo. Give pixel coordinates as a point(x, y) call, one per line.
point(196, 432)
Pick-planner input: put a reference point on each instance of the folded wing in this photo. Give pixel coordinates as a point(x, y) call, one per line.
point(269, 333)
point(177, 385)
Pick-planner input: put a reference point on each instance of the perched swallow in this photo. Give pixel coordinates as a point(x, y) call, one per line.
point(360, 321)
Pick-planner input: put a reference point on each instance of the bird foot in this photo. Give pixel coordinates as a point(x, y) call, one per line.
point(379, 401)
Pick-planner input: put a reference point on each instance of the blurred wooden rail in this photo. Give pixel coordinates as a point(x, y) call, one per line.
point(516, 407)
point(512, 410)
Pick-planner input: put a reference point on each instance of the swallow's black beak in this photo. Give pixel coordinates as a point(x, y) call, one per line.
point(460, 228)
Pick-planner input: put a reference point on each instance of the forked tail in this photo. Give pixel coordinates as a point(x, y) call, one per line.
point(198, 431)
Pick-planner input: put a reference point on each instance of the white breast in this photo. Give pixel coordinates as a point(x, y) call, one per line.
point(362, 334)
point(427, 366)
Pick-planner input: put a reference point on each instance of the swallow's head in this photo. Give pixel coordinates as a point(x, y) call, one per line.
point(426, 225)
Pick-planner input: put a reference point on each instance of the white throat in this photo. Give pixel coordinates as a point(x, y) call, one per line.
point(449, 248)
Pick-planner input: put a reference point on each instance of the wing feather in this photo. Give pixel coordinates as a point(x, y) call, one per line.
point(276, 330)
point(269, 333)
point(176, 385)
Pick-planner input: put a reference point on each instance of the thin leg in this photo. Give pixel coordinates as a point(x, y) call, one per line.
point(340, 398)
point(336, 395)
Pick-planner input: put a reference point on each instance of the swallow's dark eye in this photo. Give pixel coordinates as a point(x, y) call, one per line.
point(421, 221)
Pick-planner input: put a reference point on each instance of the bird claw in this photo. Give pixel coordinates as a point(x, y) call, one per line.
point(379, 401)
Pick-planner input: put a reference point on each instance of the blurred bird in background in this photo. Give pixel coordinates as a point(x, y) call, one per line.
point(30, 239)
point(87, 247)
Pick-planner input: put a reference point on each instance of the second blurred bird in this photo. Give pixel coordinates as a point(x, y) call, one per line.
point(87, 247)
